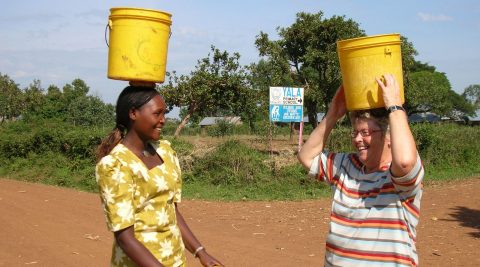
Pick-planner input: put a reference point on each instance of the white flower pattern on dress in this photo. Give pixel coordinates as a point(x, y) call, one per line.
point(108, 195)
point(161, 183)
point(162, 217)
point(125, 210)
point(149, 237)
point(175, 231)
point(167, 248)
point(133, 195)
point(118, 176)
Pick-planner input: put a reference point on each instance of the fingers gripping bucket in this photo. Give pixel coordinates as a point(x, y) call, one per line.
point(361, 61)
point(138, 44)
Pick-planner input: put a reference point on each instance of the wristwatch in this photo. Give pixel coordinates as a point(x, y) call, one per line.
point(394, 108)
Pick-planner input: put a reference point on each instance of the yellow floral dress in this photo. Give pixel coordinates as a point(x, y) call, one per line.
point(132, 194)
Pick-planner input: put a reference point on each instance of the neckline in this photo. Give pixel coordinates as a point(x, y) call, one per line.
point(140, 160)
point(363, 167)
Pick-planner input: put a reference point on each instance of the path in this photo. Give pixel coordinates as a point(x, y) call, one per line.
point(50, 226)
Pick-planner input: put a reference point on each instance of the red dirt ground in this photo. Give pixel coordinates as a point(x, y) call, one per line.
point(50, 226)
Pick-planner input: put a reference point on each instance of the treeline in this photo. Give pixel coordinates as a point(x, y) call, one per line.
point(71, 104)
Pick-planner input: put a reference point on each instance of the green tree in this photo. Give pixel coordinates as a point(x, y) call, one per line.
point(428, 92)
point(472, 95)
point(34, 99)
point(217, 86)
point(11, 99)
point(90, 111)
point(306, 51)
point(76, 89)
point(54, 106)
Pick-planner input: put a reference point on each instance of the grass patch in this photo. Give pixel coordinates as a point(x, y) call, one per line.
point(52, 169)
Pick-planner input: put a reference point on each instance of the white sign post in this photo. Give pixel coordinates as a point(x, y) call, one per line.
point(286, 105)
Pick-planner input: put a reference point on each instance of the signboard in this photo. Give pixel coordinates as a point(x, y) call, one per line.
point(286, 104)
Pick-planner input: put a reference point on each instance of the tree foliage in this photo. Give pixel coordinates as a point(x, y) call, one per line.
point(217, 87)
point(472, 95)
point(11, 99)
point(70, 105)
point(427, 90)
point(305, 55)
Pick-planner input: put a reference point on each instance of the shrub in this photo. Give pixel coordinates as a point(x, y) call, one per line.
point(231, 163)
point(221, 128)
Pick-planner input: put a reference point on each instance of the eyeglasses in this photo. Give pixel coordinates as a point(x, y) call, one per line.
point(363, 133)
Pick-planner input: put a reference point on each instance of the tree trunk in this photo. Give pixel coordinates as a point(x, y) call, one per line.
point(184, 122)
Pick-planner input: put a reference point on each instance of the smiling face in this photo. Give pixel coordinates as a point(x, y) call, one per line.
point(372, 145)
point(149, 119)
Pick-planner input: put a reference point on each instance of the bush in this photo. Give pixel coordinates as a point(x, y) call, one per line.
point(231, 163)
point(447, 145)
point(220, 129)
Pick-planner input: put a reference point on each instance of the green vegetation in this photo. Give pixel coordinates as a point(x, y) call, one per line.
point(49, 135)
point(232, 169)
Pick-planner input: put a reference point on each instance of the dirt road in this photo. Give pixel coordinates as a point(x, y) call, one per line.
point(50, 226)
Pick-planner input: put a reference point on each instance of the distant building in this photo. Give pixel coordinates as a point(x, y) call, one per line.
point(474, 120)
point(320, 116)
point(424, 117)
point(211, 121)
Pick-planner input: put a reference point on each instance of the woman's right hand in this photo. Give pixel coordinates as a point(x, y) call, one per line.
point(338, 106)
point(208, 260)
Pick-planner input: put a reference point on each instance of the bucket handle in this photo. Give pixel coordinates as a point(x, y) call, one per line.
point(109, 25)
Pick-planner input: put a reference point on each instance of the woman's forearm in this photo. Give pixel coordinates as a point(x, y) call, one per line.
point(316, 141)
point(135, 250)
point(404, 150)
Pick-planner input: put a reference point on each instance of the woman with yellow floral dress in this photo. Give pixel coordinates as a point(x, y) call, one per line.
point(140, 184)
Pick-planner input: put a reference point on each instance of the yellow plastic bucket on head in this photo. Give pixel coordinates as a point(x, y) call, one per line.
point(364, 59)
point(138, 44)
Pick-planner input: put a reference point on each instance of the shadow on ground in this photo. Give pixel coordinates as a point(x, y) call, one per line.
point(467, 218)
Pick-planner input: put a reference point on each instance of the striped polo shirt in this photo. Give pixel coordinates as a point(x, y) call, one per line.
point(374, 215)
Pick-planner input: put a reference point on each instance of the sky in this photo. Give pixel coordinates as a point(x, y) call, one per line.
point(57, 41)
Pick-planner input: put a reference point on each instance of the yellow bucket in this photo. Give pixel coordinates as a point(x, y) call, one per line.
point(138, 44)
point(363, 59)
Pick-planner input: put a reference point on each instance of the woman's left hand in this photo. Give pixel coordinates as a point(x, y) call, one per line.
point(207, 260)
point(390, 91)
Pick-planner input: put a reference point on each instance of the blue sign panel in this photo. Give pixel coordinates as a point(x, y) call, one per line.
point(286, 113)
point(286, 104)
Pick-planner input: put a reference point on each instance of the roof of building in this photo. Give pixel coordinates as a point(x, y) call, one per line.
point(207, 121)
point(320, 116)
point(476, 117)
point(424, 117)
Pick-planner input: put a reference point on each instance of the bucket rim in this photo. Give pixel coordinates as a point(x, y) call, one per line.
point(362, 41)
point(113, 9)
point(356, 47)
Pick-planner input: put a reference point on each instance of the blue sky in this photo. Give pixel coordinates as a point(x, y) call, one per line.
point(57, 41)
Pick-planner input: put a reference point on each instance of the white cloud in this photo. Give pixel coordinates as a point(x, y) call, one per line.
point(429, 17)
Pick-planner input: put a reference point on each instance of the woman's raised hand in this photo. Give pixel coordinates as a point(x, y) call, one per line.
point(390, 91)
point(338, 106)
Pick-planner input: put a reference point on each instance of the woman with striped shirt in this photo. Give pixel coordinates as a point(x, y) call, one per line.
point(376, 190)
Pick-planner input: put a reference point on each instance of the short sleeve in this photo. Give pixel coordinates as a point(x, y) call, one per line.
point(409, 184)
point(326, 165)
point(116, 192)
